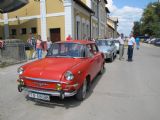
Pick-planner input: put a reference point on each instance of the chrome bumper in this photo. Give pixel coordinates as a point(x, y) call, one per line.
point(53, 93)
point(107, 55)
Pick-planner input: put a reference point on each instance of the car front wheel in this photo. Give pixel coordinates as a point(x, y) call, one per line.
point(102, 69)
point(81, 95)
point(112, 57)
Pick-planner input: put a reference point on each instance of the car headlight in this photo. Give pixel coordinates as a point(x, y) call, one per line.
point(69, 75)
point(20, 70)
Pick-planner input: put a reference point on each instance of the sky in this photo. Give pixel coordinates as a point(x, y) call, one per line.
point(127, 12)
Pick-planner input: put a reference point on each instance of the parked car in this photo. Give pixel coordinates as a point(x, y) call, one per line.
point(108, 48)
point(67, 70)
point(157, 42)
point(147, 40)
point(117, 43)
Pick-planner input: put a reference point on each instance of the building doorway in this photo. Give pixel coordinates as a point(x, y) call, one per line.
point(55, 34)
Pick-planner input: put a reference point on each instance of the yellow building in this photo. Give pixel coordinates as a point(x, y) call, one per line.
point(82, 19)
point(112, 23)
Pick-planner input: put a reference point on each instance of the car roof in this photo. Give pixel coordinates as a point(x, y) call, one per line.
point(77, 41)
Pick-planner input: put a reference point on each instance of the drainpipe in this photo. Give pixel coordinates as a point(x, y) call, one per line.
point(98, 16)
point(90, 26)
point(92, 14)
point(98, 2)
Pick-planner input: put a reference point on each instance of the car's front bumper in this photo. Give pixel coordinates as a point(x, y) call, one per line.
point(52, 93)
point(107, 55)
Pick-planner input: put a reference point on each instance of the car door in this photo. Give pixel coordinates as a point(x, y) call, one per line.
point(91, 61)
point(97, 57)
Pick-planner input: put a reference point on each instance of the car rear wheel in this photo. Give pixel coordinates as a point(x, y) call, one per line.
point(81, 95)
point(115, 55)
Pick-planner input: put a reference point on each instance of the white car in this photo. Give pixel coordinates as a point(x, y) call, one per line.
point(117, 45)
point(108, 48)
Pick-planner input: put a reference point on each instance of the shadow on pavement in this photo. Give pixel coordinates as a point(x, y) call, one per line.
point(94, 83)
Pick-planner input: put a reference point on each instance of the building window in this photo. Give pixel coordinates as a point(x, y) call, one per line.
point(23, 31)
point(33, 30)
point(78, 30)
point(13, 32)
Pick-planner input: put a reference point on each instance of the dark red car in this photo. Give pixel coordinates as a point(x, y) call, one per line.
point(67, 70)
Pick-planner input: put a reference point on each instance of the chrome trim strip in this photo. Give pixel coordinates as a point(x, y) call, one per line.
point(44, 80)
point(54, 93)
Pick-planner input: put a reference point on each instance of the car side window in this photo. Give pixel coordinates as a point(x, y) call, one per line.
point(94, 49)
point(113, 43)
point(89, 52)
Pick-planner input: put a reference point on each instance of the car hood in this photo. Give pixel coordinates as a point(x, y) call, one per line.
point(50, 68)
point(104, 48)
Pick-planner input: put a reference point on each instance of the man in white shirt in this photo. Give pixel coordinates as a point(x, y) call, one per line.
point(131, 43)
point(121, 46)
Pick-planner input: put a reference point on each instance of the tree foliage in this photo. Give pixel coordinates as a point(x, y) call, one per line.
point(136, 28)
point(150, 21)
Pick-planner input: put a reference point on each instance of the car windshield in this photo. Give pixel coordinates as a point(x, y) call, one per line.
point(69, 50)
point(103, 42)
point(116, 41)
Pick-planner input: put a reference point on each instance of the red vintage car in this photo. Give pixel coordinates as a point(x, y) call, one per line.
point(67, 70)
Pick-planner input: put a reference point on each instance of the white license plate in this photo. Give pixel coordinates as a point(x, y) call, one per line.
point(39, 96)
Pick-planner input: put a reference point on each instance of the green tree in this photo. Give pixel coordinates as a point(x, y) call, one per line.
point(150, 21)
point(136, 28)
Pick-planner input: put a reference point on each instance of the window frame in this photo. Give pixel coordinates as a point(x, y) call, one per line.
point(23, 31)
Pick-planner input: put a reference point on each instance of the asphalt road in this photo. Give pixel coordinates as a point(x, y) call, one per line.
point(126, 91)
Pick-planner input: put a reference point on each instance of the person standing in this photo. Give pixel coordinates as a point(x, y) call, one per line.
point(1, 43)
point(137, 43)
point(39, 47)
point(32, 46)
point(68, 38)
point(48, 43)
point(131, 43)
point(1, 47)
point(121, 46)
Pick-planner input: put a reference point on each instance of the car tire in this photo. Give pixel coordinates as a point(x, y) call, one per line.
point(102, 69)
point(112, 57)
point(81, 94)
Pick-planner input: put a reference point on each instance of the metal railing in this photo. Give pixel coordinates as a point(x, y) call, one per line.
point(12, 52)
